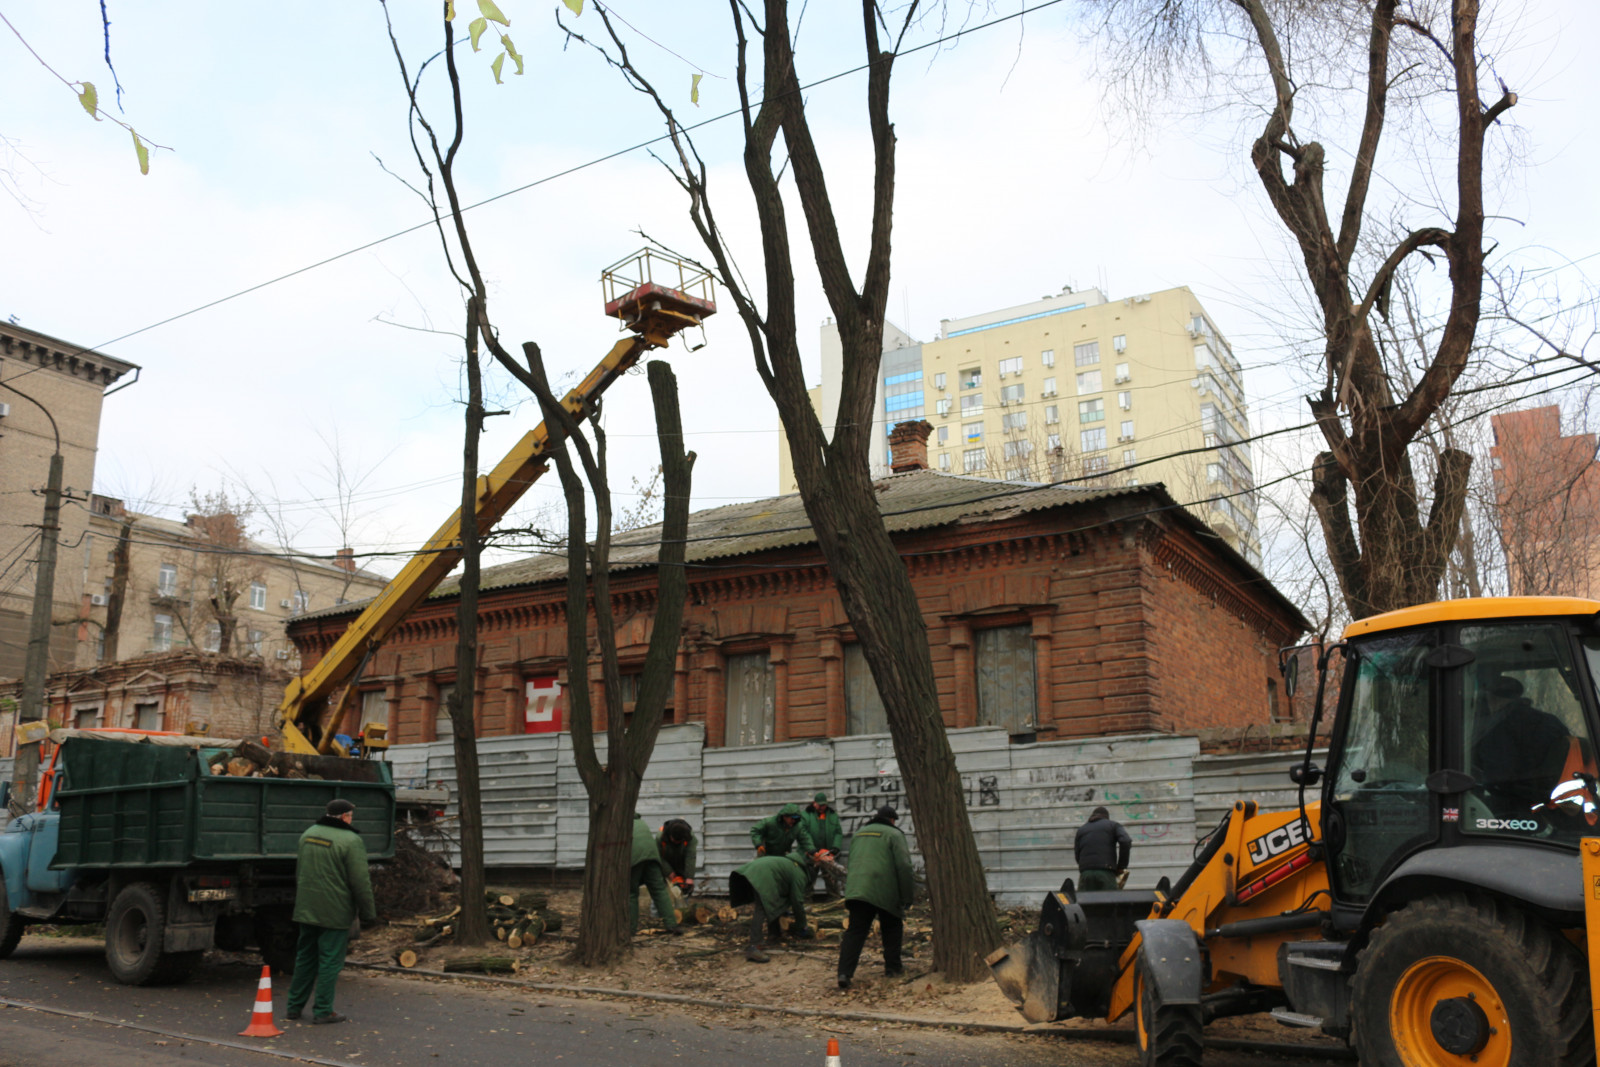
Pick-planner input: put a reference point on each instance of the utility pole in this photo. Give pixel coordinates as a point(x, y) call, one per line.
point(37, 664)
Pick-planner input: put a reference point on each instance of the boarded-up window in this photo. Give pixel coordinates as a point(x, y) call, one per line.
point(147, 716)
point(751, 704)
point(861, 700)
point(374, 708)
point(443, 728)
point(86, 718)
point(1005, 678)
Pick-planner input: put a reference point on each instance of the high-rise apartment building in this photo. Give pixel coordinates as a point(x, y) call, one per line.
point(1074, 388)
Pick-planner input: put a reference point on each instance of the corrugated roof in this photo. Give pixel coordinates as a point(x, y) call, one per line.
point(915, 500)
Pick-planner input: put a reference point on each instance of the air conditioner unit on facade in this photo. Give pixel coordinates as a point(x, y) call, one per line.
point(1125, 438)
point(1124, 379)
point(283, 603)
point(97, 599)
point(283, 653)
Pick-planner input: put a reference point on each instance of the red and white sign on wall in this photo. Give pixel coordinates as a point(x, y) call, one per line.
point(543, 714)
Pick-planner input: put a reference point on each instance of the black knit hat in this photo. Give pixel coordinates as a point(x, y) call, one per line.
point(888, 814)
point(340, 807)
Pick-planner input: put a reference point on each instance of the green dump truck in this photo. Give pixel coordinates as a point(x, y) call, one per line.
point(177, 845)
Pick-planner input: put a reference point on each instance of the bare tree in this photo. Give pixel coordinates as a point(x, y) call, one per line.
point(1392, 61)
point(833, 475)
point(613, 788)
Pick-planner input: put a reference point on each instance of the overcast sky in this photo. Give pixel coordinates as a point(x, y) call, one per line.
point(1014, 178)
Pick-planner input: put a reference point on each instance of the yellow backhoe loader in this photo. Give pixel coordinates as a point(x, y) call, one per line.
point(1434, 901)
point(654, 297)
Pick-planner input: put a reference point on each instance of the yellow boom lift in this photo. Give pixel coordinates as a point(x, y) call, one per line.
point(1437, 905)
point(655, 297)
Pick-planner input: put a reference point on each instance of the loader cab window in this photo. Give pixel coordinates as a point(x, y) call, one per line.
point(1380, 805)
point(1527, 742)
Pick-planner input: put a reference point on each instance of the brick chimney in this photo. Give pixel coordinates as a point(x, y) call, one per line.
point(345, 559)
point(908, 445)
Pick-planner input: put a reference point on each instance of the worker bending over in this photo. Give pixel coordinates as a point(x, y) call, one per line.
point(675, 842)
point(649, 870)
point(777, 834)
point(774, 884)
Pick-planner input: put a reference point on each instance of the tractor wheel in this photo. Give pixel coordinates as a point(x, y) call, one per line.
point(1456, 978)
point(1169, 1034)
point(135, 927)
point(11, 925)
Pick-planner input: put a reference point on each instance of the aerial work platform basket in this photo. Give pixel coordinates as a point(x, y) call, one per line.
point(656, 295)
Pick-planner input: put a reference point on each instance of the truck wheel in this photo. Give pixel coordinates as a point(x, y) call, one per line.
point(1169, 1034)
point(278, 938)
point(134, 929)
point(11, 925)
point(1453, 978)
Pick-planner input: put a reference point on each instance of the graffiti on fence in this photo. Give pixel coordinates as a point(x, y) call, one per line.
point(860, 797)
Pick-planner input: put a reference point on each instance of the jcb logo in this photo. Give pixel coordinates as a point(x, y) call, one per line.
point(1276, 842)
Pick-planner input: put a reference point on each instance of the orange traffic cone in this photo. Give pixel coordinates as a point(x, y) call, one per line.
point(261, 1018)
point(833, 1053)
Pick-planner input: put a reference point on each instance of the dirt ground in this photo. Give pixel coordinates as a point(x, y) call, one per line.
point(708, 961)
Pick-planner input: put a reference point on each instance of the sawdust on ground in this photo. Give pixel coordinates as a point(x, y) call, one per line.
point(708, 962)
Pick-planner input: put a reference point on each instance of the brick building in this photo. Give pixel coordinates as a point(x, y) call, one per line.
point(1054, 612)
point(1547, 504)
point(167, 691)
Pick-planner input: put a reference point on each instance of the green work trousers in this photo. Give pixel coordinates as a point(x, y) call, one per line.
point(318, 959)
point(649, 874)
point(1096, 879)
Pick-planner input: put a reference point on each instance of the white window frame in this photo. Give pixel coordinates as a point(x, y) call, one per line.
point(258, 596)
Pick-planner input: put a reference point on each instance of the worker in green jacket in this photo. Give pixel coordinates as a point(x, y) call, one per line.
point(777, 834)
point(332, 889)
point(774, 884)
point(827, 833)
point(879, 888)
point(649, 870)
point(675, 842)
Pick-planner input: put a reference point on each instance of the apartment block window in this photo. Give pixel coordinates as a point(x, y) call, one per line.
point(1053, 442)
point(1125, 401)
point(1004, 666)
point(1052, 414)
point(938, 380)
point(942, 406)
point(1092, 410)
point(99, 645)
point(1130, 456)
point(1092, 440)
point(161, 633)
point(1086, 354)
point(974, 460)
point(1123, 373)
point(972, 432)
point(971, 378)
point(1089, 382)
point(1014, 421)
point(972, 405)
point(944, 461)
point(300, 602)
point(258, 596)
point(1213, 472)
point(864, 713)
point(1016, 450)
point(1011, 366)
point(1119, 343)
point(147, 716)
point(1127, 429)
point(253, 641)
point(167, 580)
point(944, 434)
point(1012, 394)
point(1096, 464)
point(1048, 357)
point(1049, 387)
point(86, 718)
point(214, 637)
point(752, 699)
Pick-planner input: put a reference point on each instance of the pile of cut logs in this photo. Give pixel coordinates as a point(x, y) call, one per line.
point(518, 920)
point(250, 760)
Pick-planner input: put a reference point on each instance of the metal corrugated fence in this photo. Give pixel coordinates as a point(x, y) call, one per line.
point(1025, 801)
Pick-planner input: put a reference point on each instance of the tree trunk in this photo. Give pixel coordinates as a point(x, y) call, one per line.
point(473, 927)
point(119, 592)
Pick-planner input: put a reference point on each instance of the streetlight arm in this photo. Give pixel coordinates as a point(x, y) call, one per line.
point(53, 428)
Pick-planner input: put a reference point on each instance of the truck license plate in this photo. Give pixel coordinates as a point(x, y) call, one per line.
point(200, 896)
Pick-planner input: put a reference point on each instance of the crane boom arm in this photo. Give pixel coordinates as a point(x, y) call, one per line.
point(301, 713)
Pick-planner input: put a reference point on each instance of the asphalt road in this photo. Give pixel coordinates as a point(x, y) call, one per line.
point(419, 1022)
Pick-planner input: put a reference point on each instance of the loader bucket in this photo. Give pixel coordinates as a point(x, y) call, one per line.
point(1067, 967)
